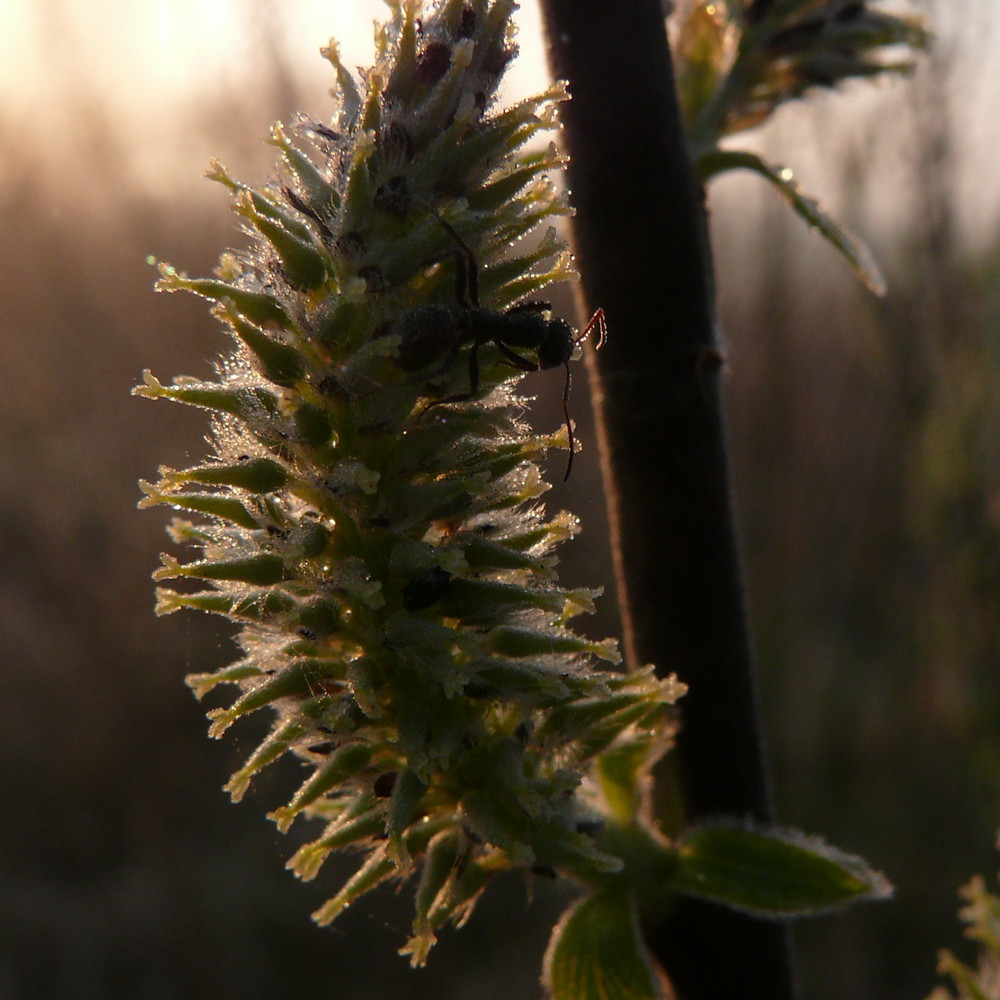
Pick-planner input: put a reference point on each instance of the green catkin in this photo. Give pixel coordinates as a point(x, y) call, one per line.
point(372, 523)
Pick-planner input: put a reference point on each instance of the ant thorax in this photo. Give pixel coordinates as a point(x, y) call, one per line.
point(519, 329)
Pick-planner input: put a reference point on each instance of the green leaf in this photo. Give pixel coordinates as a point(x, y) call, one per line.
point(441, 869)
point(406, 796)
point(245, 402)
point(256, 475)
point(305, 268)
point(226, 508)
point(771, 873)
point(596, 952)
point(340, 765)
point(263, 570)
point(259, 307)
point(360, 822)
point(377, 868)
point(275, 360)
point(619, 773)
point(321, 196)
point(716, 161)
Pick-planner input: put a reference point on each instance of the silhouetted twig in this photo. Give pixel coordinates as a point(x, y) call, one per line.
point(642, 247)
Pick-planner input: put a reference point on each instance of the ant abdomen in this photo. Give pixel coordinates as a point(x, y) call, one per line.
point(427, 333)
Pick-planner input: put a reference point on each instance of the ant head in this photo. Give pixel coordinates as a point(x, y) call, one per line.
point(557, 347)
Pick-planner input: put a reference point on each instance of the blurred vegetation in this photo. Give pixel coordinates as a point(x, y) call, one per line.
point(865, 437)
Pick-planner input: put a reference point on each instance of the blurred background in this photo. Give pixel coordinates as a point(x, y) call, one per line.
point(864, 432)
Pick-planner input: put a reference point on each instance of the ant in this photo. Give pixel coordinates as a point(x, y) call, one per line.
point(429, 331)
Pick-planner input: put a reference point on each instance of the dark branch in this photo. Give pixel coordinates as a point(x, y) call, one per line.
point(641, 242)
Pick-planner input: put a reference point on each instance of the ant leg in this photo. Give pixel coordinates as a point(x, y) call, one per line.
point(473, 369)
point(514, 359)
point(461, 279)
point(451, 358)
point(598, 322)
point(461, 397)
point(467, 274)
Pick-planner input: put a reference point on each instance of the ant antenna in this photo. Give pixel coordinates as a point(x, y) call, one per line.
point(598, 322)
point(569, 424)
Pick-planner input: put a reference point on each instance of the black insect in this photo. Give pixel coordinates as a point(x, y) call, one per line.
point(430, 331)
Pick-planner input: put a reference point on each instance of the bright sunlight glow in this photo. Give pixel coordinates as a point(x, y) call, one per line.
point(147, 69)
